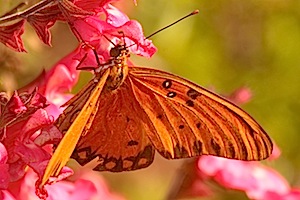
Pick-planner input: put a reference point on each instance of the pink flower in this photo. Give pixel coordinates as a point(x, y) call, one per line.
point(56, 83)
point(89, 185)
point(22, 115)
point(103, 35)
point(241, 95)
point(257, 180)
point(4, 167)
point(43, 16)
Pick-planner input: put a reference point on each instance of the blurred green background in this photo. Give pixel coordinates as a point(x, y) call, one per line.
point(229, 44)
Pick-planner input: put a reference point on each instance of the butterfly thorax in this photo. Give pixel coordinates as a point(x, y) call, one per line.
point(118, 67)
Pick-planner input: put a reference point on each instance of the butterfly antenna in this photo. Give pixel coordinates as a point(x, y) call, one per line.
point(108, 40)
point(188, 15)
point(81, 40)
point(191, 14)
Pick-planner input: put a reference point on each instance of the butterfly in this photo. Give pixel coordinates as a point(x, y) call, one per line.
point(126, 113)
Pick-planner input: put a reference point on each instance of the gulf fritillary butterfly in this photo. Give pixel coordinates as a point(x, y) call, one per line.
point(126, 113)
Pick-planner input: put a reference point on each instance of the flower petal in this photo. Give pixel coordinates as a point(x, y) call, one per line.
point(10, 36)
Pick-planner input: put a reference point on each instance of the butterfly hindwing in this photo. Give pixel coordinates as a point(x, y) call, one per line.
point(118, 134)
point(192, 121)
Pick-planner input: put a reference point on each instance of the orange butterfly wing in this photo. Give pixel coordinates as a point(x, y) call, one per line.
point(73, 122)
point(74, 106)
point(190, 120)
point(118, 134)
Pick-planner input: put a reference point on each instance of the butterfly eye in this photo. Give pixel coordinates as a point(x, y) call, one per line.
point(115, 51)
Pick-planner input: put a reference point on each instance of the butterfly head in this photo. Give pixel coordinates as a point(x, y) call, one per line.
point(118, 51)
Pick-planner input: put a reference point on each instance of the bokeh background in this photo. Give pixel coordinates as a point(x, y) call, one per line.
point(228, 45)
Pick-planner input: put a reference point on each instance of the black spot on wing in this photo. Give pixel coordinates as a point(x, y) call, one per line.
point(197, 148)
point(231, 150)
point(215, 146)
point(132, 143)
point(166, 154)
point(89, 155)
point(171, 94)
point(167, 84)
point(180, 152)
point(193, 94)
point(190, 103)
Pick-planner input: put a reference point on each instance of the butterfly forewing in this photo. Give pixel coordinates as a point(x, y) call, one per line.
point(74, 122)
point(196, 120)
point(118, 134)
point(75, 105)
